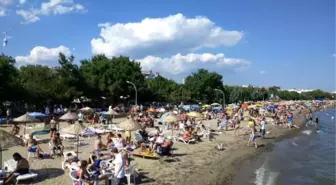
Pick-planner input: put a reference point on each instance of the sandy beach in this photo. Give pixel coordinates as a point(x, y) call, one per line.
point(198, 163)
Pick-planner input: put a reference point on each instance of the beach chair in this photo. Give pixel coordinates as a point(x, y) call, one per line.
point(52, 149)
point(63, 164)
point(131, 173)
point(31, 175)
point(186, 142)
point(31, 154)
point(112, 127)
point(10, 165)
point(67, 136)
point(73, 176)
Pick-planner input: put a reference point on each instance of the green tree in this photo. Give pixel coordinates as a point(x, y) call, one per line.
point(202, 84)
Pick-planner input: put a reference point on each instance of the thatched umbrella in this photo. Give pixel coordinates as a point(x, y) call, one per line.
point(171, 119)
point(24, 119)
point(130, 125)
point(7, 140)
point(86, 109)
point(74, 129)
point(69, 116)
point(195, 115)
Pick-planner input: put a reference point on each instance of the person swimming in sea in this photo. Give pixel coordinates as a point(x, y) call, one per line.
point(316, 123)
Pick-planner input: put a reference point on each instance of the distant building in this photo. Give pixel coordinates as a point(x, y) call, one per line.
point(150, 74)
point(300, 90)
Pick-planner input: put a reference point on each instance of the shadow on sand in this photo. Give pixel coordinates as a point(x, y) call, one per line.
point(47, 173)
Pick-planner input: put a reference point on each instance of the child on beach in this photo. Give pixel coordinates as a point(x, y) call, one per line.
point(252, 136)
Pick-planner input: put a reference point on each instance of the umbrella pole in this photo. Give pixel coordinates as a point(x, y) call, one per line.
point(24, 130)
point(77, 145)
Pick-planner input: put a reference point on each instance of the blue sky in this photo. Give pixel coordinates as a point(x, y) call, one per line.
point(286, 43)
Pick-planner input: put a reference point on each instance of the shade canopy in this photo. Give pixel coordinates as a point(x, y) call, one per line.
point(215, 104)
point(86, 109)
point(195, 115)
point(111, 112)
point(24, 118)
point(75, 129)
point(69, 116)
point(8, 140)
point(130, 124)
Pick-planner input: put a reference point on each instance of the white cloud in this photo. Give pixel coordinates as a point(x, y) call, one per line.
point(184, 64)
point(43, 55)
point(2, 12)
point(6, 2)
point(156, 36)
point(55, 7)
point(262, 72)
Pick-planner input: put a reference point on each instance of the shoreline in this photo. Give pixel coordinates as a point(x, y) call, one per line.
point(238, 163)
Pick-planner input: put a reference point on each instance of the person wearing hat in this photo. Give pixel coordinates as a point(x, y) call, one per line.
point(119, 167)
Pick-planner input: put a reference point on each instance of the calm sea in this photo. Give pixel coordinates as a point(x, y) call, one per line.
point(306, 159)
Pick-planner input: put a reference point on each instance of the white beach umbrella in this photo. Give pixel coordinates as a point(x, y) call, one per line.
point(86, 109)
point(69, 116)
point(130, 124)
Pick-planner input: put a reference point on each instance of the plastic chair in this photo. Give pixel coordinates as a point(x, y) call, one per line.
point(131, 172)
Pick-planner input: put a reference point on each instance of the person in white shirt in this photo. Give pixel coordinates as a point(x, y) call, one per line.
point(263, 127)
point(119, 167)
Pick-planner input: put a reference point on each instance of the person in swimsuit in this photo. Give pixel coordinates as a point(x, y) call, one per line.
point(56, 143)
point(316, 123)
point(32, 145)
point(53, 126)
point(252, 137)
point(83, 174)
point(15, 129)
point(98, 145)
point(21, 168)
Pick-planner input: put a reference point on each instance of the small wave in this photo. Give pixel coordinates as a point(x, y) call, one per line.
point(307, 132)
point(265, 176)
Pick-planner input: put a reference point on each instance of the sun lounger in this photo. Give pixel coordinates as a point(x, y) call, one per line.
point(10, 165)
point(30, 175)
point(73, 153)
point(67, 136)
point(186, 142)
point(115, 128)
point(73, 176)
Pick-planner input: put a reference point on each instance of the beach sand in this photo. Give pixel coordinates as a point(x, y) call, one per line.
point(193, 164)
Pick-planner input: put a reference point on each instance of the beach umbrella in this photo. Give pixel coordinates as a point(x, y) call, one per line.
point(215, 104)
point(7, 140)
point(69, 116)
point(130, 125)
point(37, 115)
point(75, 129)
point(195, 114)
point(24, 119)
point(86, 109)
point(150, 110)
point(171, 119)
point(111, 112)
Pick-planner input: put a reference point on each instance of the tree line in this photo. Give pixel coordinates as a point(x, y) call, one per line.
point(103, 79)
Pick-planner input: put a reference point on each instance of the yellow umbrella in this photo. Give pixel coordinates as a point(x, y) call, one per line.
point(195, 115)
point(258, 105)
point(206, 105)
point(215, 104)
point(130, 124)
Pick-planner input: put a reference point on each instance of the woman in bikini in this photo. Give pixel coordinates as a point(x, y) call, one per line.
point(83, 174)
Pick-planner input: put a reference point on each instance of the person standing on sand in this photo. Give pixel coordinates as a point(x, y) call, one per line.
point(252, 137)
point(263, 127)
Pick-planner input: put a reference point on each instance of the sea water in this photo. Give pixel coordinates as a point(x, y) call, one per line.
point(306, 159)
